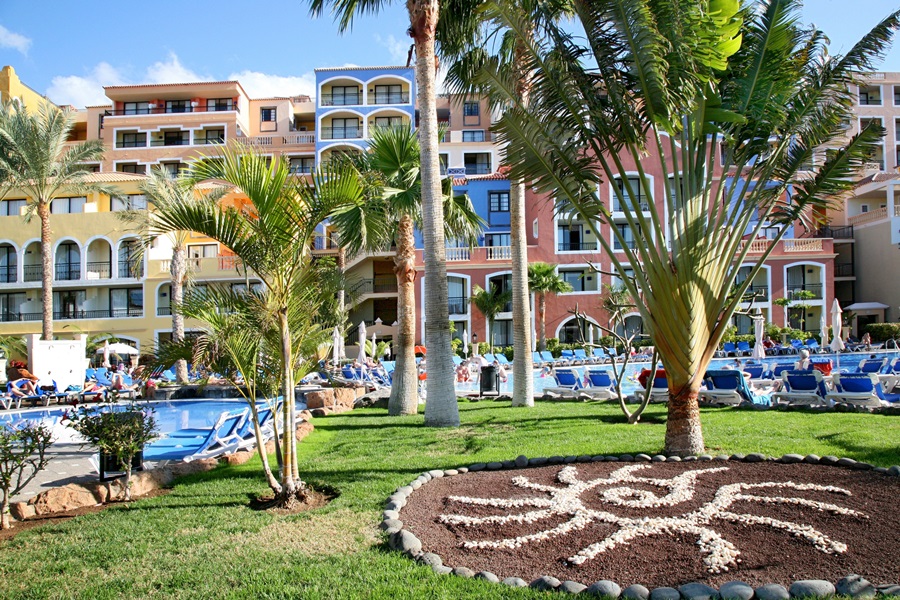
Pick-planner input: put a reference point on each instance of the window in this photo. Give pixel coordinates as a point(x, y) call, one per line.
point(344, 95)
point(90, 168)
point(498, 201)
point(176, 138)
point(571, 238)
point(129, 202)
point(8, 263)
point(126, 302)
point(10, 305)
point(497, 239)
point(130, 263)
point(636, 187)
point(60, 206)
point(477, 164)
point(219, 104)
point(306, 164)
point(443, 159)
point(210, 136)
point(267, 115)
point(471, 109)
point(131, 168)
point(68, 261)
point(69, 304)
point(11, 208)
point(342, 129)
point(616, 281)
point(388, 121)
point(573, 278)
point(628, 234)
point(864, 208)
point(203, 250)
point(172, 168)
point(241, 288)
point(178, 106)
point(136, 108)
point(132, 140)
point(389, 94)
point(473, 135)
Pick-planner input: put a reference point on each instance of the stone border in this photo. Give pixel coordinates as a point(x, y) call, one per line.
point(853, 586)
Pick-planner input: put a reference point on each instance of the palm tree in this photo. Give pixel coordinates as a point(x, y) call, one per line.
point(671, 83)
point(389, 213)
point(38, 162)
point(271, 234)
point(542, 280)
point(441, 409)
point(490, 303)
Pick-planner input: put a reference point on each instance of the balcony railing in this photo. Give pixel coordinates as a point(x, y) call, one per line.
point(171, 142)
point(302, 169)
point(63, 315)
point(815, 288)
point(499, 252)
point(478, 169)
point(630, 244)
point(576, 246)
point(838, 233)
point(803, 245)
point(457, 254)
point(325, 244)
point(626, 206)
point(843, 270)
point(377, 285)
point(300, 138)
point(67, 271)
point(757, 291)
point(132, 144)
point(163, 110)
point(342, 133)
point(163, 311)
point(209, 140)
point(131, 269)
point(458, 305)
point(33, 272)
point(341, 100)
point(869, 217)
point(8, 274)
point(98, 270)
point(391, 98)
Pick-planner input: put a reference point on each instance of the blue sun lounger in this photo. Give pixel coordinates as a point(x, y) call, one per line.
point(728, 386)
point(803, 388)
point(194, 444)
point(860, 389)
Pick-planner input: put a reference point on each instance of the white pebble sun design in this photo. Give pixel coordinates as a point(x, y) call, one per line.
point(718, 553)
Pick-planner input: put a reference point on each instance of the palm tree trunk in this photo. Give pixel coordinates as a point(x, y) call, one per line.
point(542, 314)
point(43, 210)
point(404, 398)
point(291, 485)
point(684, 435)
point(523, 384)
point(177, 271)
point(341, 265)
point(441, 410)
point(261, 447)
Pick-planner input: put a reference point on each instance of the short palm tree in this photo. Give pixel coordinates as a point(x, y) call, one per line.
point(37, 162)
point(686, 85)
point(490, 303)
point(388, 214)
point(271, 233)
point(542, 280)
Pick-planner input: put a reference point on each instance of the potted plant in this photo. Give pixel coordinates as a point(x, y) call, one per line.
point(119, 435)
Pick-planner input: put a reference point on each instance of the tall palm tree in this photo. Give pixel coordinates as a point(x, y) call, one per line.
point(390, 212)
point(272, 234)
point(666, 82)
point(441, 409)
point(37, 162)
point(490, 303)
point(542, 280)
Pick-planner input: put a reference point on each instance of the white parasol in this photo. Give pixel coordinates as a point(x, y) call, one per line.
point(823, 327)
point(837, 344)
point(117, 348)
point(362, 343)
point(759, 326)
point(336, 340)
point(465, 341)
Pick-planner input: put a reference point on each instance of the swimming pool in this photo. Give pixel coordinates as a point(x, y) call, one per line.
point(847, 361)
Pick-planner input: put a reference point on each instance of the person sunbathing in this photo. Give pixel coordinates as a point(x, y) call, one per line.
point(92, 388)
point(118, 381)
point(22, 388)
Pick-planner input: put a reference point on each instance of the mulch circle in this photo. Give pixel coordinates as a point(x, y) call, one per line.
point(768, 533)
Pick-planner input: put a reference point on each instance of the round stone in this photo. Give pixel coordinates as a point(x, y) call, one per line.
point(584, 458)
point(555, 460)
point(571, 587)
point(464, 572)
point(659, 458)
point(894, 470)
point(612, 459)
point(665, 593)
point(405, 541)
point(828, 460)
point(487, 576)
point(605, 588)
point(441, 570)
point(537, 462)
point(507, 464)
point(636, 592)
point(521, 461)
point(882, 470)
point(805, 588)
point(845, 462)
point(889, 589)
point(426, 476)
point(673, 458)
point(812, 459)
point(689, 458)
point(494, 466)
point(570, 459)
point(738, 456)
point(698, 591)
point(790, 459)
point(855, 587)
point(642, 457)
point(545, 583)
point(405, 490)
point(391, 525)
point(862, 466)
point(398, 499)
point(450, 472)
point(626, 458)
point(754, 457)
point(514, 582)
point(391, 514)
point(598, 458)
point(394, 506)
point(415, 484)
point(704, 457)
point(462, 470)
point(736, 590)
point(477, 467)
point(431, 559)
point(436, 473)
point(720, 457)
point(771, 591)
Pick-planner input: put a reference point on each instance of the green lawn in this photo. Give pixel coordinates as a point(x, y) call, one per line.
point(202, 540)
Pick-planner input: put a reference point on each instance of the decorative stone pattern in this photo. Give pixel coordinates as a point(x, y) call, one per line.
point(679, 486)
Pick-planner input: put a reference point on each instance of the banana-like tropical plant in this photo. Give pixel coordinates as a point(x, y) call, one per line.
point(270, 226)
point(730, 102)
point(542, 280)
point(490, 303)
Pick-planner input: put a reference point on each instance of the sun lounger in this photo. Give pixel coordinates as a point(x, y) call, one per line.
point(582, 357)
point(872, 365)
point(730, 387)
point(602, 384)
point(549, 359)
point(7, 400)
point(194, 444)
point(729, 349)
point(860, 389)
point(246, 435)
point(567, 383)
point(501, 358)
point(19, 385)
point(744, 349)
point(802, 388)
point(659, 391)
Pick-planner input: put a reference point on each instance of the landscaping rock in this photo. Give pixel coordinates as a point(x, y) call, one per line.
point(487, 576)
point(450, 472)
point(626, 458)
point(442, 570)
point(425, 477)
point(462, 469)
point(673, 458)
point(545, 583)
point(415, 484)
point(319, 412)
point(570, 459)
point(689, 458)
point(737, 456)
point(67, 497)
point(806, 588)
point(477, 467)
point(659, 458)
point(238, 458)
point(772, 591)
point(320, 399)
point(571, 587)
point(704, 457)
point(404, 541)
point(431, 559)
point(584, 458)
point(828, 460)
point(21, 510)
point(790, 459)
point(890, 589)
point(555, 460)
point(882, 470)
point(604, 588)
point(845, 462)
point(436, 473)
point(521, 461)
point(395, 506)
point(636, 592)
point(665, 593)
point(507, 464)
point(754, 457)
point(862, 466)
point(642, 457)
point(598, 458)
point(612, 459)
point(736, 590)
point(392, 525)
point(345, 397)
point(698, 591)
point(537, 462)
point(812, 459)
point(855, 586)
point(894, 470)
point(464, 572)
point(494, 466)
point(720, 457)
point(514, 582)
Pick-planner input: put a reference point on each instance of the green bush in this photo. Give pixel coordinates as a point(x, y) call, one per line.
point(882, 332)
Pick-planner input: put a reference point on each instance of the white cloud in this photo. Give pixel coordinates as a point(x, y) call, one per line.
point(265, 85)
point(171, 71)
point(17, 41)
point(398, 50)
point(87, 90)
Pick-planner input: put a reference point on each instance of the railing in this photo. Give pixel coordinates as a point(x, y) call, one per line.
point(325, 244)
point(757, 291)
point(815, 288)
point(576, 246)
point(499, 252)
point(458, 305)
point(302, 170)
point(207, 141)
point(300, 138)
point(163, 311)
point(230, 263)
point(163, 110)
point(757, 246)
point(63, 315)
point(8, 274)
point(869, 217)
point(130, 269)
point(377, 285)
point(897, 209)
point(395, 98)
point(843, 270)
point(33, 272)
point(837, 233)
point(98, 270)
point(256, 140)
point(479, 169)
point(134, 144)
point(627, 206)
point(171, 142)
point(630, 244)
point(342, 133)
point(342, 100)
point(67, 271)
point(457, 254)
point(874, 165)
point(803, 245)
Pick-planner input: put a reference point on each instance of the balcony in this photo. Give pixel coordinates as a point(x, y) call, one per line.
point(301, 170)
point(377, 285)
point(844, 270)
point(64, 315)
point(98, 270)
point(300, 138)
point(203, 266)
point(342, 133)
point(837, 233)
point(131, 144)
point(869, 217)
point(129, 269)
point(325, 245)
point(182, 141)
point(209, 140)
point(626, 206)
point(478, 169)
point(33, 272)
point(67, 271)
point(576, 246)
point(815, 288)
point(757, 292)
point(458, 305)
point(163, 311)
point(389, 98)
point(163, 110)
point(342, 99)
point(8, 274)
point(499, 252)
point(457, 254)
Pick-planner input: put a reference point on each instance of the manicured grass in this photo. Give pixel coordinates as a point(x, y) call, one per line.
point(203, 541)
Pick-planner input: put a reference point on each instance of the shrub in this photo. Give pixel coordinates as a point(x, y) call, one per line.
point(22, 456)
point(882, 332)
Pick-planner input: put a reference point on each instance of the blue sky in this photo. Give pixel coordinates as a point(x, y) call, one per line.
point(70, 50)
